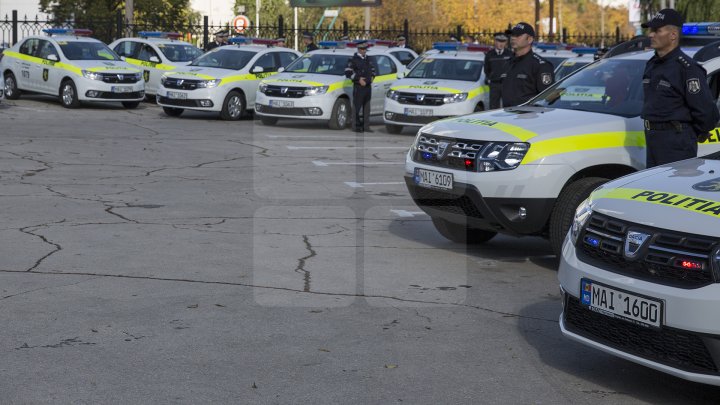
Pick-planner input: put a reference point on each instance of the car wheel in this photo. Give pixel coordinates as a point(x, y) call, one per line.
point(68, 95)
point(11, 90)
point(479, 107)
point(233, 106)
point(130, 104)
point(269, 121)
point(393, 128)
point(173, 112)
point(461, 233)
point(340, 114)
point(564, 211)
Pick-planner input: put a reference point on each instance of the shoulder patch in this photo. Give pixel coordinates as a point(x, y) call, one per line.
point(683, 61)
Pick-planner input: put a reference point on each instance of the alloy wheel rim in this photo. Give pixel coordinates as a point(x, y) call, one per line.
point(68, 94)
point(234, 107)
point(342, 115)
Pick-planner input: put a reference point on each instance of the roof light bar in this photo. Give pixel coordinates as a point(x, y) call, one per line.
point(478, 48)
point(333, 44)
point(240, 41)
point(80, 32)
point(702, 28)
point(159, 34)
point(585, 51)
point(550, 47)
point(448, 46)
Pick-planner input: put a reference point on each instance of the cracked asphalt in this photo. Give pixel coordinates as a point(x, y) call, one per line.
point(149, 259)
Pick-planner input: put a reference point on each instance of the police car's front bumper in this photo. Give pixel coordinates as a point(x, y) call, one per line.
point(96, 90)
point(419, 115)
point(317, 107)
point(686, 345)
point(204, 99)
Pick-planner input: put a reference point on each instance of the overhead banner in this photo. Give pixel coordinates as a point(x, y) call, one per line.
point(335, 3)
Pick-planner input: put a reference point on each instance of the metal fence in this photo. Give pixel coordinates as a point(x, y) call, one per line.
point(13, 29)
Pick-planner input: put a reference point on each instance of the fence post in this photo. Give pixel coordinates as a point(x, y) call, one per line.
point(281, 26)
point(459, 33)
point(14, 27)
point(564, 36)
point(617, 34)
point(206, 33)
point(345, 28)
point(406, 30)
point(119, 23)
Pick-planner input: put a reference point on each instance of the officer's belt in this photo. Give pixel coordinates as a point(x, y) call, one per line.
point(661, 125)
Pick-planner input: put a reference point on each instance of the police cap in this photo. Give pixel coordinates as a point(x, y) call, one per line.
point(363, 45)
point(665, 17)
point(308, 35)
point(522, 28)
point(500, 36)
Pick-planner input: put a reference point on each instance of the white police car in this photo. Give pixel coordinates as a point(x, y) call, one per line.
point(315, 87)
point(446, 84)
point(640, 270)
point(523, 170)
point(582, 58)
point(155, 53)
point(72, 66)
point(224, 79)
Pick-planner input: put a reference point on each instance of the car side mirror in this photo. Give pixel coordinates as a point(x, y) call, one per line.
point(122, 57)
point(282, 69)
point(53, 57)
point(257, 69)
point(154, 59)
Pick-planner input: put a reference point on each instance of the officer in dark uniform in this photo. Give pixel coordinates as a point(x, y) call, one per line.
point(496, 63)
point(221, 38)
point(309, 40)
point(527, 73)
point(362, 73)
point(678, 106)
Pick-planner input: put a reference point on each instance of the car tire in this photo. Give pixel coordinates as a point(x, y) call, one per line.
point(459, 233)
point(340, 117)
point(173, 112)
point(233, 107)
point(479, 107)
point(68, 95)
point(10, 85)
point(563, 212)
point(269, 121)
point(130, 104)
point(393, 128)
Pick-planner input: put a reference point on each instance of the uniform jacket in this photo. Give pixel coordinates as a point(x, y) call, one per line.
point(526, 77)
point(360, 67)
point(496, 64)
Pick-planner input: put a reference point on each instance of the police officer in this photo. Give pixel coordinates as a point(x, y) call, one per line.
point(527, 73)
point(280, 42)
point(362, 73)
point(402, 42)
point(221, 38)
point(496, 63)
point(309, 41)
point(678, 107)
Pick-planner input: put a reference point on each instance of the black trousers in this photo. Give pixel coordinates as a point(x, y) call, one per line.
point(361, 105)
point(669, 145)
point(495, 95)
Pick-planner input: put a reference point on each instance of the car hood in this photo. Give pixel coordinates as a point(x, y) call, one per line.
point(308, 80)
point(429, 86)
point(104, 66)
point(534, 124)
point(682, 196)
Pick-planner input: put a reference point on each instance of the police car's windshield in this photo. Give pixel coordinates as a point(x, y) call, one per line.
point(610, 86)
point(447, 69)
point(82, 50)
point(180, 52)
point(232, 59)
point(568, 67)
point(320, 63)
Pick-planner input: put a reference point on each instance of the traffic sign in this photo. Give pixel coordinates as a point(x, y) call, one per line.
point(240, 23)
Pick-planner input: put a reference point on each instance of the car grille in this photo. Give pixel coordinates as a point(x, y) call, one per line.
point(179, 103)
point(420, 99)
point(295, 111)
point(680, 349)
point(181, 84)
point(451, 153)
point(119, 78)
point(121, 96)
point(290, 92)
point(410, 119)
point(658, 260)
point(448, 202)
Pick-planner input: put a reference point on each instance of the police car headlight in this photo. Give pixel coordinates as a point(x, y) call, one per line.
point(392, 94)
point(163, 79)
point(262, 88)
point(581, 217)
point(501, 156)
point(455, 98)
point(314, 91)
point(208, 83)
point(91, 75)
point(138, 76)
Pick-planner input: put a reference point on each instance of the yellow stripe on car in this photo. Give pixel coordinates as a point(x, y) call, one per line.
point(478, 91)
point(672, 200)
point(419, 87)
point(295, 81)
point(340, 85)
point(61, 65)
point(518, 132)
point(198, 75)
point(575, 143)
point(142, 63)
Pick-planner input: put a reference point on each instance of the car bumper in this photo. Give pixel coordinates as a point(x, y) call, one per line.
point(404, 114)
point(94, 90)
point(199, 99)
point(687, 345)
point(309, 107)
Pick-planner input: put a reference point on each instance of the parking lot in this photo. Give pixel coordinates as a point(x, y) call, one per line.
point(150, 259)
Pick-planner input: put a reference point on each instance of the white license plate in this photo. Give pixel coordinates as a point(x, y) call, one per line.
point(282, 103)
point(122, 89)
point(418, 112)
point(433, 179)
point(177, 95)
point(620, 304)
